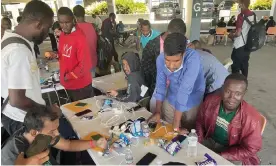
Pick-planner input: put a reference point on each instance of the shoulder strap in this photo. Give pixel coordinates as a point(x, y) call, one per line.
point(4, 104)
point(6, 42)
point(12, 40)
point(248, 21)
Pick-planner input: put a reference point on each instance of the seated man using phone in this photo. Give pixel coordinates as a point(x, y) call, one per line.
point(40, 124)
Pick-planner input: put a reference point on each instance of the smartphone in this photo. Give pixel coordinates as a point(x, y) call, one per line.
point(41, 143)
point(96, 137)
point(180, 138)
point(147, 159)
point(80, 104)
point(134, 108)
point(83, 112)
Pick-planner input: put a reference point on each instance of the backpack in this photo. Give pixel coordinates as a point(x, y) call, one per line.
point(256, 35)
point(104, 51)
point(6, 42)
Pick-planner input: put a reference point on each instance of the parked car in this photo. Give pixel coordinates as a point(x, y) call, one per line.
point(167, 10)
point(226, 5)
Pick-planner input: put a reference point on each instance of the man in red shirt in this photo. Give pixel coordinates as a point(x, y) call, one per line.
point(74, 57)
point(240, 54)
point(90, 34)
point(230, 126)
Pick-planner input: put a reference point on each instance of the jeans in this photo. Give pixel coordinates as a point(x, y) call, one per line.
point(240, 58)
point(115, 54)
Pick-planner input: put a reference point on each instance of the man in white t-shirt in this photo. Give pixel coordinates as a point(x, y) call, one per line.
point(240, 55)
point(20, 78)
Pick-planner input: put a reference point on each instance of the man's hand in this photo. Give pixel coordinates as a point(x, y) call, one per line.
point(155, 117)
point(51, 55)
point(38, 159)
point(231, 35)
point(113, 93)
point(101, 143)
point(183, 132)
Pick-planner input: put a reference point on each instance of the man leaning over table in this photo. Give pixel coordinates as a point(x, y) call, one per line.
point(180, 83)
point(230, 126)
point(19, 72)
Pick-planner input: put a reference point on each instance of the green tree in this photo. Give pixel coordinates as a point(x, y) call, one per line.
point(122, 7)
point(261, 5)
point(97, 7)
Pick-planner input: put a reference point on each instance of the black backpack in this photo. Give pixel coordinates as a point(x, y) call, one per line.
point(256, 35)
point(104, 51)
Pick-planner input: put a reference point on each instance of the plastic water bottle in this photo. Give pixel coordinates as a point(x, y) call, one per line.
point(112, 69)
point(145, 129)
point(129, 157)
point(192, 144)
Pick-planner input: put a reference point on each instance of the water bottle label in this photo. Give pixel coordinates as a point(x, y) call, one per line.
point(192, 143)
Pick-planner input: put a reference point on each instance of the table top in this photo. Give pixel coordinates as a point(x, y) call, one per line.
point(53, 67)
point(116, 81)
point(231, 27)
point(84, 127)
point(128, 30)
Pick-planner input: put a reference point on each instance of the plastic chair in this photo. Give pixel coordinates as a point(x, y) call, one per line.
point(227, 63)
point(271, 32)
point(221, 32)
point(263, 123)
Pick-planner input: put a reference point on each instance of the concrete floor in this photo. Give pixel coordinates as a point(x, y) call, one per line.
point(261, 92)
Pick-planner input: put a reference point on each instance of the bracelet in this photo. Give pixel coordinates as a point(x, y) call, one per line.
point(176, 130)
point(92, 145)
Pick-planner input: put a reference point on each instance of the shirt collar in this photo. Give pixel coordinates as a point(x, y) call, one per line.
point(73, 29)
point(149, 35)
point(175, 70)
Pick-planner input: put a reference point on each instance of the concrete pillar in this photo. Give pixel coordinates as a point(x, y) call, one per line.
point(193, 9)
point(56, 5)
point(273, 9)
point(59, 3)
point(111, 6)
point(3, 9)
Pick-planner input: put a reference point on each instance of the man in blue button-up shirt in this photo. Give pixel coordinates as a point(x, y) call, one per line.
point(180, 83)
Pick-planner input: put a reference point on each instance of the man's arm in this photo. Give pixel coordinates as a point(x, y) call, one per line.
point(238, 26)
point(75, 145)
point(249, 146)
point(161, 79)
point(132, 94)
point(200, 122)
point(186, 87)
point(84, 61)
point(20, 67)
point(18, 99)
